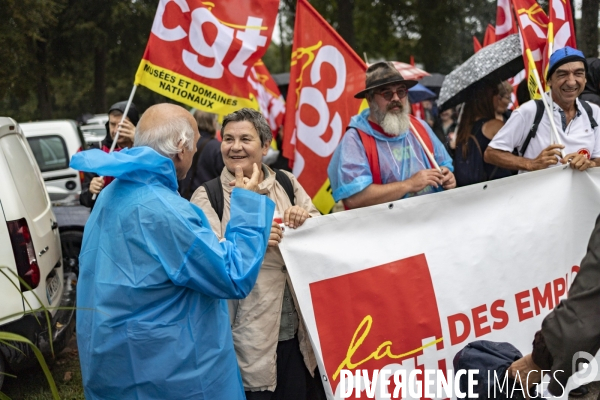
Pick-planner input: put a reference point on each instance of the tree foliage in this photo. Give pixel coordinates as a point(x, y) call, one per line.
point(588, 35)
point(63, 58)
point(438, 34)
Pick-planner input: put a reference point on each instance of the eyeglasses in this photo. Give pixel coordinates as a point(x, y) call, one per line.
point(389, 94)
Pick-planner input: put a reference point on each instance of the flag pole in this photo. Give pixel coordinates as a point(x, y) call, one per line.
point(429, 155)
point(114, 143)
point(549, 111)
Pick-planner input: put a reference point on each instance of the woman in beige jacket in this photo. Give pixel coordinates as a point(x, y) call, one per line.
point(271, 342)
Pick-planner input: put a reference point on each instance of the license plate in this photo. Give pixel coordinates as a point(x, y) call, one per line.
point(52, 287)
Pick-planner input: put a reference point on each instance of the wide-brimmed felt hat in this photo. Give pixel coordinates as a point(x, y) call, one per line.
point(381, 74)
point(565, 55)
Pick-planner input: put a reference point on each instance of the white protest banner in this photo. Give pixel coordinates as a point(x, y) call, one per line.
point(406, 285)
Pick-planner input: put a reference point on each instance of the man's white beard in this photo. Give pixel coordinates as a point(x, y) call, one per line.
point(392, 123)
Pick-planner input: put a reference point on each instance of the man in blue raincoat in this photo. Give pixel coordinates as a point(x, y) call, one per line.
point(381, 158)
point(151, 319)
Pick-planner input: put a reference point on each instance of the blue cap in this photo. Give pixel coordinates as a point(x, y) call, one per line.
point(562, 56)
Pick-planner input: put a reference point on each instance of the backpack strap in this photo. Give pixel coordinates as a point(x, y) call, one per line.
point(286, 183)
point(539, 113)
point(588, 109)
point(370, 146)
point(422, 133)
point(214, 190)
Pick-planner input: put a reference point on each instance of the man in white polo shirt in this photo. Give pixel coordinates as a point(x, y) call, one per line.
point(575, 122)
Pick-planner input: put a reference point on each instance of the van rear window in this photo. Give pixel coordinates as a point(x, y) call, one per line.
point(27, 179)
point(50, 152)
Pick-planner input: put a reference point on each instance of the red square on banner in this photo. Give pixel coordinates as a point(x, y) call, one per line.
point(372, 318)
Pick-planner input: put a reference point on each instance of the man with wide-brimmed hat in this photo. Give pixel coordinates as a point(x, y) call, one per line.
point(575, 122)
point(381, 158)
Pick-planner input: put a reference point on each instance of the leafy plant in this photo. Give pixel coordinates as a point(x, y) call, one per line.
point(8, 338)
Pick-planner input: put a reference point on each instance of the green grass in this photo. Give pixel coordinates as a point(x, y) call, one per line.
point(31, 384)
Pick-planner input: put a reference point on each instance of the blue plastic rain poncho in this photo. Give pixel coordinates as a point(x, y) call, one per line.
point(400, 157)
point(151, 322)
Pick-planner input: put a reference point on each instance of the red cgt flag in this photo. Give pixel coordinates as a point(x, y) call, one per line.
point(561, 29)
point(325, 74)
point(200, 53)
point(533, 25)
point(505, 23)
point(270, 100)
point(561, 26)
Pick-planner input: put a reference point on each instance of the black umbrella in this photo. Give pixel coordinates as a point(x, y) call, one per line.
point(494, 63)
point(433, 82)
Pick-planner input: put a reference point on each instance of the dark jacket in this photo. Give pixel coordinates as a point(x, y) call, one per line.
point(85, 197)
point(591, 92)
point(574, 325)
point(491, 360)
point(207, 164)
point(473, 168)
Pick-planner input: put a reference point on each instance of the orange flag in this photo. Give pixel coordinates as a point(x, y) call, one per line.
point(490, 36)
point(533, 26)
point(200, 53)
point(324, 76)
point(270, 100)
point(476, 45)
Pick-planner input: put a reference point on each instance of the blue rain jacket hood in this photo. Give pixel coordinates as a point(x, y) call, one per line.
point(152, 322)
point(400, 157)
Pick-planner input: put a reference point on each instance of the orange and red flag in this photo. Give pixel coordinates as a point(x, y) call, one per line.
point(324, 76)
point(533, 26)
point(200, 53)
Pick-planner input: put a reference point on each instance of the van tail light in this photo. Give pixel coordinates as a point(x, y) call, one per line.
point(22, 245)
point(81, 175)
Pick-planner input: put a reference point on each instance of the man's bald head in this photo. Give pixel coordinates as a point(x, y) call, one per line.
point(166, 128)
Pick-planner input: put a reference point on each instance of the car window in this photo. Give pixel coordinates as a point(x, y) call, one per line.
point(50, 152)
point(79, 135)
point(28, 182)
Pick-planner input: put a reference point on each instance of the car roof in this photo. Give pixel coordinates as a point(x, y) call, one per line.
point(6, 124)
point(66, 128)
point(39, 126)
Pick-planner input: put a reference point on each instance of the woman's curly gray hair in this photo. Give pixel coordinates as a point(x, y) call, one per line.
point(255, 118)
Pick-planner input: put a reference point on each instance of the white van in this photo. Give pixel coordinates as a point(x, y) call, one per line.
point(30, 249)
point(53, 144)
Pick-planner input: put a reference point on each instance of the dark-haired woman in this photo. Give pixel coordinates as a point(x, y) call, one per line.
point(477, 128)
